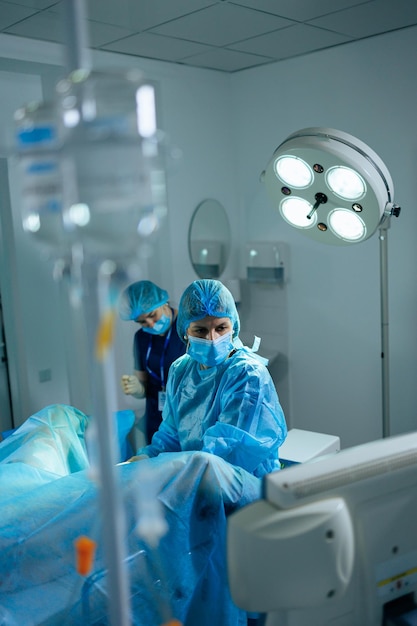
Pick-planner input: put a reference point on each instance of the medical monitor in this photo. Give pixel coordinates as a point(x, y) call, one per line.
point(333, 542)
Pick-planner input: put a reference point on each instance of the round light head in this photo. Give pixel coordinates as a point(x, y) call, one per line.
point(295, 211)
point(347, 225)
point(345, 183)
point(323, 163)
point(293, 171)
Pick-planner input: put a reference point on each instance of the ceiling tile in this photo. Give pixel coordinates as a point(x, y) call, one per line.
point(221, 25)
point(192, 32)
point(156, 47)
point(141, 15)
point(102, 34)
point(291, 41)
point(371, 18)
point(39, 5)
point(226, 60)
point(98, 33)
point(46, 26)
point(12, 13)
point(301, 10)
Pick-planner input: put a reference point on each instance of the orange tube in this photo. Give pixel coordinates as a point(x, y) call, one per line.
point(85, 550)
point(105, 334)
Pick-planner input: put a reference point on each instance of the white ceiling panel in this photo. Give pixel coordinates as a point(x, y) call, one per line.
point(371, 18)
point(142, 14)
point(222, 24)
point(299, 10)
point(45, 25)
point(223, 35)
point(226, 60)
point(156, 47)
point(12, 13)
point(291, 42)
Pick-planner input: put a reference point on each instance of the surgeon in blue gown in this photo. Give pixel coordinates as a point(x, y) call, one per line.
point(221, 432)
point(220, 396)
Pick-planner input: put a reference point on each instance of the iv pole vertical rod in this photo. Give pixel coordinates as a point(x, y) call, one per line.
point(78, 57)
point(383, 250)
point(77, 52)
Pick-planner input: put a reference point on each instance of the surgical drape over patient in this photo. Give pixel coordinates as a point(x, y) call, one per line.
point(140, 298)
point(45, 512)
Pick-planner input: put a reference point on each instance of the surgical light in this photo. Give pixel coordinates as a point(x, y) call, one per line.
point(335, 189)
point(340, 170)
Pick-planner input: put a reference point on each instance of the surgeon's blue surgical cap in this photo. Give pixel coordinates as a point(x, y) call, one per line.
point(140, 298)
point(202, 298)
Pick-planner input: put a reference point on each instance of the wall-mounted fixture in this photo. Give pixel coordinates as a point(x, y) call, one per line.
point(209, 239)
point(265, 261)
point(333, 188)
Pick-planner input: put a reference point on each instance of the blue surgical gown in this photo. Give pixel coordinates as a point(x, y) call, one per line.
point(231, 410)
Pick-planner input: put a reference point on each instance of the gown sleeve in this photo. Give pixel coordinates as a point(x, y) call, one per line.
point(251, 425)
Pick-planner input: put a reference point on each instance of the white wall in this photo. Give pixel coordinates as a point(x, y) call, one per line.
point(366, 89)
point(31, 298)
point(227, 128)
point(192, 106)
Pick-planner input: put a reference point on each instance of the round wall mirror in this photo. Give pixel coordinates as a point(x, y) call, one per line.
point(209, 239)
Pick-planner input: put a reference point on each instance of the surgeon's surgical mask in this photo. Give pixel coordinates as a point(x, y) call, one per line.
point(210, 352)
point(160, 327)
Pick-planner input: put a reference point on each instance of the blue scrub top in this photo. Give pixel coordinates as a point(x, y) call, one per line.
point(149, 354)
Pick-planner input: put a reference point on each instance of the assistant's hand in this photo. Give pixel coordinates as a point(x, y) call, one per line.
point(132, 386)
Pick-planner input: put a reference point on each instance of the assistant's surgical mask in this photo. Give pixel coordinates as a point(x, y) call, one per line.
point(160, 327)
point(210, 352)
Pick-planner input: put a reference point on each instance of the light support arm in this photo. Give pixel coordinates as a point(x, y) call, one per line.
point(383, 260)
point(383, 264)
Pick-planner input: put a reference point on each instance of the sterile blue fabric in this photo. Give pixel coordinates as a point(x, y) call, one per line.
point(140, 298)
point(186, 575)
point(231, 411)
point(48, 445)
point(202, 298)
point(125, 421)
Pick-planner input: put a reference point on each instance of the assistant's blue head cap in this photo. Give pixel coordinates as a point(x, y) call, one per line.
point(140, 298)
point(206, 297)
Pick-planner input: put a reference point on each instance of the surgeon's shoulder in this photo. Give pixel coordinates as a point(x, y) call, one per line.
point(246, 360)
point(181, 363)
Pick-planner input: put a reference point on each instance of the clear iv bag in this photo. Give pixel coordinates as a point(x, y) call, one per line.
point(92, 165)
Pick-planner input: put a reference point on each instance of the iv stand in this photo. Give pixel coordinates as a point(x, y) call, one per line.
point(77, 57)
